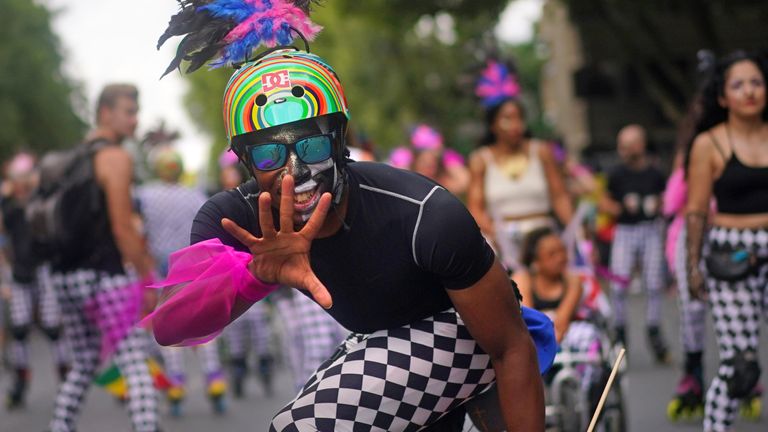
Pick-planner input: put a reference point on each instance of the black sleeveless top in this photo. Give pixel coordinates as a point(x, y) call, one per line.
point(98, 249)
point(541, 304)
point(741, 189)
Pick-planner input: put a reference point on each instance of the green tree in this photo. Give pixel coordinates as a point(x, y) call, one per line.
point(36, 99)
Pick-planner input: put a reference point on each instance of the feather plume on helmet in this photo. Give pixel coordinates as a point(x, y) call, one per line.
point(226, 32)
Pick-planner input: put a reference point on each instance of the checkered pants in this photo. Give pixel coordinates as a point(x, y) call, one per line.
point(24, 299)
point(310, 334)
point(643, 243)
point(737, 309)
point(392, 380)
point(73, 290)
point(692, 311)
point(208, 354)
point(254, 323)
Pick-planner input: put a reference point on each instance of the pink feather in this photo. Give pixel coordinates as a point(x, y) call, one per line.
point(281, 12)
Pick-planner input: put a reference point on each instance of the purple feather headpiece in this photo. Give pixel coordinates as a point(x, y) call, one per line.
point(496, 84)
point(228, 31)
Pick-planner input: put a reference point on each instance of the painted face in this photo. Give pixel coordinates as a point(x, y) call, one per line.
point(304, 150)
point(744, 90)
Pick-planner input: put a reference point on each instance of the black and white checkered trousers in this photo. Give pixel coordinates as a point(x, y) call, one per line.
point(25, 297)
point(395, 380)
point(249, 330)
point(692, 311)
point(73, 290)
point(310, 335)
point(737, 309)
point(641, 243)
point(174, 361)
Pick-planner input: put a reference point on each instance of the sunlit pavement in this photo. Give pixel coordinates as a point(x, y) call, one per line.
point(649, 389)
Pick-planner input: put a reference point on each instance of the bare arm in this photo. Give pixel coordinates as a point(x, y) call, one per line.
point(558, 194)
point(607, 204)
point(476, 194)
point(568, 305)
point(701, 168)
point(492, 316)
point(114, 173)
point(523, 280)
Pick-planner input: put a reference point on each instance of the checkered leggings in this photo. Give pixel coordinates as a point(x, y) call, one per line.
point(207, 353)
point(254, 323)
point(692, 311)
point(392, 380)
point(73, 290)
point(310, 334)
point(737, 309)
point(641, 242)
point(24, 299)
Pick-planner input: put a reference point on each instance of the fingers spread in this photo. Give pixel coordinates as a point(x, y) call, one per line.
point(239, 233)
point(265, 216)
point(286, 204)
point(316, 221)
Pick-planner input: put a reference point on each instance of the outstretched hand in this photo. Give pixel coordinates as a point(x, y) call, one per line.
point(282, 257)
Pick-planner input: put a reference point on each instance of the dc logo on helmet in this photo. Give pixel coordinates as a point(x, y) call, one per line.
point(271, 81)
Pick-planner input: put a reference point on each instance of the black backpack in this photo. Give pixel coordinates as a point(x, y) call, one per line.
point(67, 201)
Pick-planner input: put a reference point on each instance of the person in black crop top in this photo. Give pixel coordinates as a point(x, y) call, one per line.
point(728, 159)
point(545, 283)
point(389, 254)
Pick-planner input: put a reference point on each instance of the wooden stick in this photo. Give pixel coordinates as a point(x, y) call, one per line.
point(607, 389)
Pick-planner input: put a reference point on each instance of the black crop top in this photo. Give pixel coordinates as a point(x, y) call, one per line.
point(544, 305)
point(741, 189)
point(407, 241)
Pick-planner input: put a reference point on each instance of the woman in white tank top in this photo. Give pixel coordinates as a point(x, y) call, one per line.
point(515, 184)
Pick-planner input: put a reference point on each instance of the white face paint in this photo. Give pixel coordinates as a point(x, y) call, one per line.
point(321, 179)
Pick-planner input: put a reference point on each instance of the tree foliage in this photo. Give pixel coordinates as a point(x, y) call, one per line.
point(401, 62)
point(644, 53)
point(36, 99)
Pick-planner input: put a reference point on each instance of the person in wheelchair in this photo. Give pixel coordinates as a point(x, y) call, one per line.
point(547, 285)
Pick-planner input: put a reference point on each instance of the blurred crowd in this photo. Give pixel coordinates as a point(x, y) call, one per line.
point(576, 238)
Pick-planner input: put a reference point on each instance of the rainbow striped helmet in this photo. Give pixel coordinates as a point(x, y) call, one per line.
point(282, 87)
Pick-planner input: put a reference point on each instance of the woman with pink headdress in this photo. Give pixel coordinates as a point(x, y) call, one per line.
point(432, 160)
point(515, 184)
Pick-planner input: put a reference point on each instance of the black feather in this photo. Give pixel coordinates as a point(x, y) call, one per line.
point(305, 5)
point(203, 35)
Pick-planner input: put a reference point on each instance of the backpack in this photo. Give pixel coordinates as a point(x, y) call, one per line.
point(65, 203)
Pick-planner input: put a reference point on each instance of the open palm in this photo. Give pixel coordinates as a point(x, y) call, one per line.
point(282, 257)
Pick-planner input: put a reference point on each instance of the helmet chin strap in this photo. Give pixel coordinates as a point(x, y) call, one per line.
point(339, 180)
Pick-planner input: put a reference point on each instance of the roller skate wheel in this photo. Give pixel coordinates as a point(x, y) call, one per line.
point(176, 409)
point(752, 409)
point(219, 404)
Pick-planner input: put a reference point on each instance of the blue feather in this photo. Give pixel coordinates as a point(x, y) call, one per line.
point(237, 10)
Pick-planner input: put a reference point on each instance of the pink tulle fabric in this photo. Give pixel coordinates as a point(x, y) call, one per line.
point(674, 205)
point(114, 312)
point(280, 12)
point(208, 277)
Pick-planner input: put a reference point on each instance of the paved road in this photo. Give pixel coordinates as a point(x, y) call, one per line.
point(649, 389)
